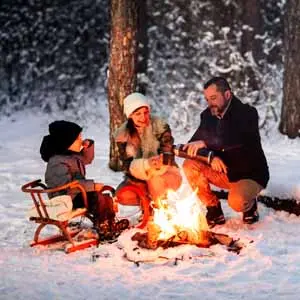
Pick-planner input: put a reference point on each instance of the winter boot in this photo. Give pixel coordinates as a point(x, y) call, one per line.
point(251, 216)
point(118, 226)
point(214, 215)
point(109, 230)
point(103, 229)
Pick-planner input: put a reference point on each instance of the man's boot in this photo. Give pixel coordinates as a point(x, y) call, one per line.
point(215, 215)
point(251, 216)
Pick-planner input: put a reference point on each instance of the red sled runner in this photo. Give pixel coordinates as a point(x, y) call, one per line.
point(58, 212)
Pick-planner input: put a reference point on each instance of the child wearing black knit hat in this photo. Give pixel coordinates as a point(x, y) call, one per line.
point(67, 154)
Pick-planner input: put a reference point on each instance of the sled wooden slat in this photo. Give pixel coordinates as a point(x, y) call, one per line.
point(80, 245)
point(37, 190)
point(54, 238)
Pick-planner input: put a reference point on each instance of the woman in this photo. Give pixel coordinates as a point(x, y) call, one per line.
point(141, 141)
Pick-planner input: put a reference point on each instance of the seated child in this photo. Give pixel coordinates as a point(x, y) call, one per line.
point(66, 154)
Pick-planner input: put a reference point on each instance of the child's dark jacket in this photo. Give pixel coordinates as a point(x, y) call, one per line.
point(69, 166)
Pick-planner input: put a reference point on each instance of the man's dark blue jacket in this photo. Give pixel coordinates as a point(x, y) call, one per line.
point(235, 139)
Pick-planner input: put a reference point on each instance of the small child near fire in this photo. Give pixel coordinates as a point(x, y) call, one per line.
point(66, 154)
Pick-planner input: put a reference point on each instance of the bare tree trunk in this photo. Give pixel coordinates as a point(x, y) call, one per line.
point(122, 66)
point(290, 112)
point(252, 26)
point(143, 51)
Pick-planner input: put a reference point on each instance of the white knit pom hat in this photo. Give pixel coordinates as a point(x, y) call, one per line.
point(134, 101)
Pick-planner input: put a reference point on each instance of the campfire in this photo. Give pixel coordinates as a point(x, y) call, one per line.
point(179, 220)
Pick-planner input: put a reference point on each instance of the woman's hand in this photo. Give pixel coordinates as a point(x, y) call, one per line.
point(218, 165)
point(156, 162)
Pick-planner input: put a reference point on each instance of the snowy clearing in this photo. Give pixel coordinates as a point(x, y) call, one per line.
point(267, 268)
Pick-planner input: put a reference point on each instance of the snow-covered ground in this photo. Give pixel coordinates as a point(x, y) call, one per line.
point(268, 268)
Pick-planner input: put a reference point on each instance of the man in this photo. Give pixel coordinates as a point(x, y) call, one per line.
point(237, 162)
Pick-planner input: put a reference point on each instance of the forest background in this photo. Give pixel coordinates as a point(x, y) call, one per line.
point(54, 55)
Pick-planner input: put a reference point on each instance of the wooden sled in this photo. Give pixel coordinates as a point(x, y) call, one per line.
point(43, 215)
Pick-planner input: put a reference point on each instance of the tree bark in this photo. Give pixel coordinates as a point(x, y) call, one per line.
point(122, 66)
point(143, 51)
point(290, 112)
point(251, 27)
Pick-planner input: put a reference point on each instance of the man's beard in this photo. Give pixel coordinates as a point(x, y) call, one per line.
point(215, 110)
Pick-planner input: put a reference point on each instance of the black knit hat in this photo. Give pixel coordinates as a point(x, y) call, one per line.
point(62, 136)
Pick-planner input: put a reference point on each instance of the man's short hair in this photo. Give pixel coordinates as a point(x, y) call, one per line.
point(221, 83)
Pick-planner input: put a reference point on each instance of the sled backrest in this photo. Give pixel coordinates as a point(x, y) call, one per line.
point(58, 211)
point(39, 190)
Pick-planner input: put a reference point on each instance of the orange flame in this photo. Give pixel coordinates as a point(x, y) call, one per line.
point(180, 213)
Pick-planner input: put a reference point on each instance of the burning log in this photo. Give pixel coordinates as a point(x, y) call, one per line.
point(179, 220)
point(152, 235)
point(206, 239)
